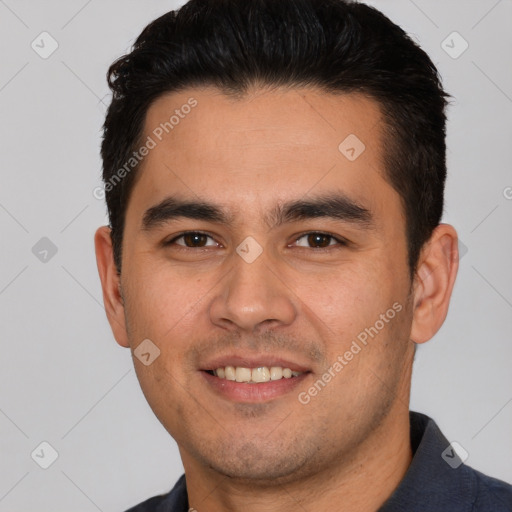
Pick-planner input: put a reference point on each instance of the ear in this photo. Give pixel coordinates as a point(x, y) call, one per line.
point(433, 282)
point(111, 285)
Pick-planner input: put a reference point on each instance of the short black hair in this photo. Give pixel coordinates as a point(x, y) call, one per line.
point(338, 46)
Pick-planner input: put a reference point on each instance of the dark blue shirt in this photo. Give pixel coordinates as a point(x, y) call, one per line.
point(436, 481)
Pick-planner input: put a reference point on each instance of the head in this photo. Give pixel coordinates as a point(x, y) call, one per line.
point(316, 129)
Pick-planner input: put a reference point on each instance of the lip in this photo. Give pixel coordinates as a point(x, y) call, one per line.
point(254, 361)
point(252, 393)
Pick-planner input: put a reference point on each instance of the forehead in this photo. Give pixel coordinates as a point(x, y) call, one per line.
point(250, 152)
point(279, 118)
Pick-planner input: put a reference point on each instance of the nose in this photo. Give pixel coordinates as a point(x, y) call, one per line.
point(253, 296)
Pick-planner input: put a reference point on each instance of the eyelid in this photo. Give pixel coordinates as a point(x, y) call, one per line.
point(342, 242)
point(183, 233)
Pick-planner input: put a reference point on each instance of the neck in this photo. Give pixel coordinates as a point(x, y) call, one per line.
point(361, 482)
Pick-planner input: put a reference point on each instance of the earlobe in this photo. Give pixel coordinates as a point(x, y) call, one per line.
point(111, 285)
point(434, 280)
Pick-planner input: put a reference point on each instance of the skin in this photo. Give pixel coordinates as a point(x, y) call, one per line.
point(350, 443)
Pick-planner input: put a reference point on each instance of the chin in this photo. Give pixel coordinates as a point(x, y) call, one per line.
point(265, 475)
point(258, 463)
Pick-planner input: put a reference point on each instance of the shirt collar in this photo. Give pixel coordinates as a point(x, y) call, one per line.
point(436, 479)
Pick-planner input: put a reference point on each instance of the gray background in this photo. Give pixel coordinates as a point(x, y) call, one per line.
point(64, 380)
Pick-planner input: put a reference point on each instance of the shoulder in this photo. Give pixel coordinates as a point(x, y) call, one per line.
point(151, 505)
point(175, 500)
point(438, 480)
point(490, 493)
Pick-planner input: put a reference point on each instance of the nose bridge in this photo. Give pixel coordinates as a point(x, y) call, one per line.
point(252, 294)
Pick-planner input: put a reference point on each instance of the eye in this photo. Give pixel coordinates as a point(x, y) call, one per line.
point(192, 240)
point(199, 240)
point(320, 240)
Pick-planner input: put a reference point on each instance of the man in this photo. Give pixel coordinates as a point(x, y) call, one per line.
point(274, 174)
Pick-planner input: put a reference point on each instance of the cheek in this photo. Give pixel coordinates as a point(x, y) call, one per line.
point(345, 302)
point(161, 299)
point(164, 389)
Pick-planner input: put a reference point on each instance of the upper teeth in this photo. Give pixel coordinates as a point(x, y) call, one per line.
point(254, 375)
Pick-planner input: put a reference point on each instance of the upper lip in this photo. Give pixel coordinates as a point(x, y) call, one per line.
point(253, 361)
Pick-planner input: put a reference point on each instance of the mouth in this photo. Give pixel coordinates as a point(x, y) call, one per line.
point(252, 381)
point(253, 375)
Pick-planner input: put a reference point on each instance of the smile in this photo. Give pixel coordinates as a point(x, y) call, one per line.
point(254, 375)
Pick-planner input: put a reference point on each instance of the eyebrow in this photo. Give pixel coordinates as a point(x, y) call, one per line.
point(334, 206)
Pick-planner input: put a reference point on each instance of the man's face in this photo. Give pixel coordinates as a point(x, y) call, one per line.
point(211, 299)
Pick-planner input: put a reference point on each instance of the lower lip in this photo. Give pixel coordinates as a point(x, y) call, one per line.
point(252, 393)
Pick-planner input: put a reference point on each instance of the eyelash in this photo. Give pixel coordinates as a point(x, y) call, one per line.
point(341, 241)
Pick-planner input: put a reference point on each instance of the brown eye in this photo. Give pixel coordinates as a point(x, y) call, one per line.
point(194, 239)
point(191, 240)
point(319, 240)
